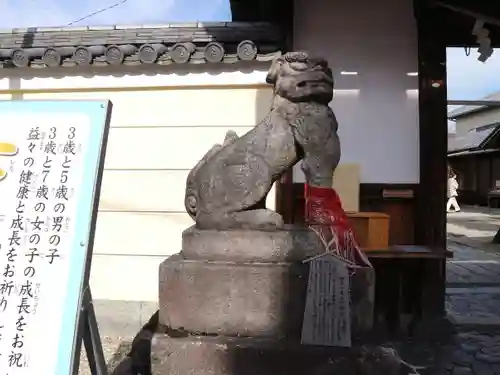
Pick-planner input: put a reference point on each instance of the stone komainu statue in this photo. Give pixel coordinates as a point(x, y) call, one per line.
point(228, 187)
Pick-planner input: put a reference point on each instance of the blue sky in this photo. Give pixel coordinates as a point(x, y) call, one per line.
point(29, 13)
point(470, 79)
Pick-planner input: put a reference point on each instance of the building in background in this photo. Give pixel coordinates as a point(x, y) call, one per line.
point(474, 150)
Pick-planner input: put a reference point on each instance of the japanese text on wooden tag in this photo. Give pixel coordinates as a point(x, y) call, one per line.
point(327, 313)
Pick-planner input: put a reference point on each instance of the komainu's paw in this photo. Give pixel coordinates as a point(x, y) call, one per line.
point(260, 219)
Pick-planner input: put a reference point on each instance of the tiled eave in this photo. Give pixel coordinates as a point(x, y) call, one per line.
point(225, 42)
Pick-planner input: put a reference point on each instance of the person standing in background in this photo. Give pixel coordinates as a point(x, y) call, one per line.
point(452, 193)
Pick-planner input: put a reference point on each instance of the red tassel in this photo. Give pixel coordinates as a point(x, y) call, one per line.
point(326, 217)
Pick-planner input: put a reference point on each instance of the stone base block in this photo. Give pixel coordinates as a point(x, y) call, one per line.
point(288, 245)
point(233, 299)
point(235, 356)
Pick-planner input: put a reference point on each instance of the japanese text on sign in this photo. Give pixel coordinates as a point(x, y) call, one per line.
point(39, 192)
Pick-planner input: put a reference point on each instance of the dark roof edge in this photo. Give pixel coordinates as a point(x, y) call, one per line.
point(483, 145)
point(472, 111)
point(491, 137)
point(452, 154)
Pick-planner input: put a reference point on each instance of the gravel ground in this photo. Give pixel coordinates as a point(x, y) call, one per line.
point(114, 348)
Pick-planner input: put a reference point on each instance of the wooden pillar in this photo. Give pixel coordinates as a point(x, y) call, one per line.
point(430, 220)
point(246, 10)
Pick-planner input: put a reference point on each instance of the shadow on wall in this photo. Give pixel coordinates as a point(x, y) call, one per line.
point(18, 75)
point(263, 103)
point(15, 85)
point(89, 72)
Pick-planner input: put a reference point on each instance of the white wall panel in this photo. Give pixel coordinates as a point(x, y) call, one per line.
point(186, 107)
point(378, 117)
point(156, 148)
point(142, 190)
point(140, 233)
point(157, 191)
point(125, 278)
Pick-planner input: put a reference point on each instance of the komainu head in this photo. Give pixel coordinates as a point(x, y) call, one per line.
point(300, 78)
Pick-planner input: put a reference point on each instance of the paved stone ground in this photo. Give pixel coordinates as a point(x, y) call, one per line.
point(472, 265)
point(474, 227)
point(473, 295)
point(473, 305)
point(472, 300)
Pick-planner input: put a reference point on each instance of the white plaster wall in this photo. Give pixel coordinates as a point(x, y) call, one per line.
point(378, 108)
point(160, 128)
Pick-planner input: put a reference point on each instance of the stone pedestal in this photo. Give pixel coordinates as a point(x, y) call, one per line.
point(288, 245)
point(238, 299)
point(232, 298)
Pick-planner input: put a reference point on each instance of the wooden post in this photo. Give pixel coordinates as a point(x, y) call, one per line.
point(430, 220)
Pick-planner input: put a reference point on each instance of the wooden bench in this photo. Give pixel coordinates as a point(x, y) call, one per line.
point(408, 252)
point(401, 285)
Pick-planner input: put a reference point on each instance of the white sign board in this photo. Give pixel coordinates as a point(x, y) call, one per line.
point(327, 315)
point(51, 159)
